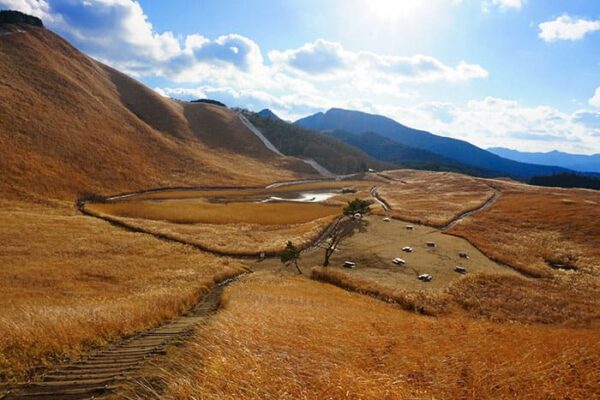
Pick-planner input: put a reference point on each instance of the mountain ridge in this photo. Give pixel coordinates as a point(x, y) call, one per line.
point(576, 162)
point(459, 150)
point(70, 124)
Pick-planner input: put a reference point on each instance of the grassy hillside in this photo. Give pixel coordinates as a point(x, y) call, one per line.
point(333, 154)
point(69, 124)
point(337, 345)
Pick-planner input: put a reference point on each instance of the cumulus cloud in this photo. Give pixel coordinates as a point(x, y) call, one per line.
point(119, 33)
point(491, 122)
point(310, 78)
point(231, 49)
point(566, 28)
point(595, 100)
point(323, 58)
point(318, 57)
point(291, 106)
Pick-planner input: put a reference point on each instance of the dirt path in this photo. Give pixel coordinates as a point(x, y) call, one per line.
point(109, 369)
point(488, 203)
point(375, 194)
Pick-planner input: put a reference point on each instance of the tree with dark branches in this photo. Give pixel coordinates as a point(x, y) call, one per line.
point(291, 255)
point(351, 221)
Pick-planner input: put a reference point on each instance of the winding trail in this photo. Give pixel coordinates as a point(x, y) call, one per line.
point(110, 369)
point(375, 194)
point(488, 203)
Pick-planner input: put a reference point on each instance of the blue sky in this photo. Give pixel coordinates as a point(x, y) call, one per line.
point(523, 74)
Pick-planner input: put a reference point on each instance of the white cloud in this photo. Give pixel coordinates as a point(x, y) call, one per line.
point(595, 100)
point(231, 49)
point(324, 58)
point(310, 78)
point(499, 122)
point(318, 57)
point(503, 5)
point(567, 28)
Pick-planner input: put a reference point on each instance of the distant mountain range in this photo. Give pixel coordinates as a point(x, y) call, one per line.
point(576, 162)
point(462, 154)
point(385, 149)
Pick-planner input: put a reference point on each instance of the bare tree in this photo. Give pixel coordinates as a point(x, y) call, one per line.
point(291, 254)
point(350, 221)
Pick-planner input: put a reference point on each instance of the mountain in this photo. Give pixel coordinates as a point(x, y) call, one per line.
point(382, 148)
point(576, 162)
point(267, 114)
point(69, 124)
point(333, 154)
point(459, 150)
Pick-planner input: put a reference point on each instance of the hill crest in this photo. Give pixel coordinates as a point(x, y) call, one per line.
point(69, 124)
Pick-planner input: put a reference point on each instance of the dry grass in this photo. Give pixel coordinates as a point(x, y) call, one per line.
point(282, 337)
point(230, 221)
point(236, 239)
point(203, 212)
point(432, 198)
point(422, 302)
point(511, 298)
point(69, 281)
point(74, 126)
point(249, 193)
point(527, 227)
point(498, 298)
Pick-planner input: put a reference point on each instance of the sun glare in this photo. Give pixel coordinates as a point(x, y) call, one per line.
point(389, 10)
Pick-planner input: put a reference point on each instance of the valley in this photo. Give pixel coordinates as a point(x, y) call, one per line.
point(537, 297)
point(144, 243)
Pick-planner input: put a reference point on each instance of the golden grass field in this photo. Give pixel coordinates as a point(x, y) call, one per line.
point(69, 125)
point(236, 239)
point(70, 281)
point(527, 228)
point(204, 212)
point(493, 297)
point(334, 344)
point(253, 193)
point(432, 198)
point(233, 221)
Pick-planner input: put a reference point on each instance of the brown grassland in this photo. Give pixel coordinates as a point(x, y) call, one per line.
point(69, 125)
point(69, 282)
point(526, 228)
point(230, 221)
point(529, 227)
point(236, 239)
point(203, 212)
point(492, 297)
point(252, 193)
point(334, 344)
point(432, 198)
